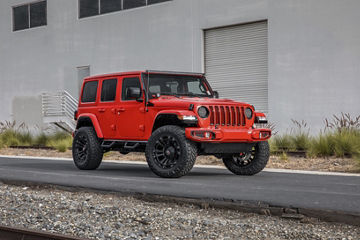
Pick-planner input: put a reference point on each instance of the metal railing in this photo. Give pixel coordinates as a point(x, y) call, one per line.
point(58, 104)
point(58, 108)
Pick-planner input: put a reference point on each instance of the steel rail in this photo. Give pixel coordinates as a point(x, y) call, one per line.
point(14, 233)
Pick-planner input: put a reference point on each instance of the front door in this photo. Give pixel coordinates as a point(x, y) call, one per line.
point(131, 113)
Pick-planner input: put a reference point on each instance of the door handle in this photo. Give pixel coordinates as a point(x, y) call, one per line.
point(101, 110)
point(121, 110)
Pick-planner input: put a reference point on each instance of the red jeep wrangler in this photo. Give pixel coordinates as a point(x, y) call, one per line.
point(173, 117)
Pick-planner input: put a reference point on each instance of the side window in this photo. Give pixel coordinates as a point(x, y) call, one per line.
point(89, 92)
point(128, 83)
point(108, 90)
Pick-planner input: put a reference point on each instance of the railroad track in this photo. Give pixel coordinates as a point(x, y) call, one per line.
point(10, 233)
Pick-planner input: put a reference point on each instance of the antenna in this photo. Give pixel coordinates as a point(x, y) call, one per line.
point(147, 91)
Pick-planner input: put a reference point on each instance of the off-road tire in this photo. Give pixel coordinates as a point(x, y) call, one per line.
point(92, 157)
point(186, 159)
point(261, 157)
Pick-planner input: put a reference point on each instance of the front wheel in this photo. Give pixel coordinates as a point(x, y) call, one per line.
point(169, 153)
point(249, 163)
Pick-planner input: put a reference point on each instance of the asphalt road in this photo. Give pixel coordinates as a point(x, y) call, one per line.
point(310, 191)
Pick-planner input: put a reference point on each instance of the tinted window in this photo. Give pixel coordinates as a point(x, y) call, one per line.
point(156, 1)
point(38, 14)
point(89, 8)
point(127, 83)
point(29, 15)
point(89, 92)
point(134, 3)
point(21, 17)
point(107, 6)
point(108, 91)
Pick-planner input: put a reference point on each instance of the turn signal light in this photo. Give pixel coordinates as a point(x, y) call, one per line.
point(203, 134)
point(264, 134)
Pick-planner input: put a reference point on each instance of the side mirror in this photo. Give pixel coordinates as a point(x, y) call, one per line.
point(133, 92)
point(216, 94)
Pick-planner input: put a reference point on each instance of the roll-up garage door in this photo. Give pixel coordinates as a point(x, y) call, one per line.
point(236, 62)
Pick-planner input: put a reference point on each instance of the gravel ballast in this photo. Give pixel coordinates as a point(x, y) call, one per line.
point(111, 216)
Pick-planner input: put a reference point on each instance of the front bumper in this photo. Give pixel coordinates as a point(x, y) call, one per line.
point(227, 135)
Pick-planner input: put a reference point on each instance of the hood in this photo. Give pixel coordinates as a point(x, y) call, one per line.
point(184, 102)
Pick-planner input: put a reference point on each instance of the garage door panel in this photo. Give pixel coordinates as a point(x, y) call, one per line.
point(236, 62)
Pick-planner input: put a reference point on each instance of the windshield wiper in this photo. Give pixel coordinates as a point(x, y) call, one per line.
point(170, 94)
point(193, 95)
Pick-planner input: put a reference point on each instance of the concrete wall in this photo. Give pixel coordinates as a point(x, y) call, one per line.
point(314, 50)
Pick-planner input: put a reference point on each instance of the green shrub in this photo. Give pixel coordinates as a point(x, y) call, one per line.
point(25, 138)
point(1, 143)
point(346, 142)
point(284, 156)
point(301, 141)
point(60, 136)
point(41, 140)
point(60, 142)
point(322, 145)
point(283, 143)
point(61, 145)
point(273, 148)
point(10, 138)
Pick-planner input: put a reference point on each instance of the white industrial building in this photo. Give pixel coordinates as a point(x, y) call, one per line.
point(293, 59)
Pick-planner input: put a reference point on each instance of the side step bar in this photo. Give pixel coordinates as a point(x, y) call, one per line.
point(122, 145)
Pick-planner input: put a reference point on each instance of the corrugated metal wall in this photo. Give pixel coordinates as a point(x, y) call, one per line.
point(236, 62)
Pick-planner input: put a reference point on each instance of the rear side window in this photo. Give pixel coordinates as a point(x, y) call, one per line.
point(127, 83)
point(89, 92)
point(108, 90)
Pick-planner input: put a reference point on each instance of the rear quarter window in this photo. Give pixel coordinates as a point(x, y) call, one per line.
point(89, 92)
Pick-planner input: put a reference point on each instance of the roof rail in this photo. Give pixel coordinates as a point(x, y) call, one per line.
point(174, 72)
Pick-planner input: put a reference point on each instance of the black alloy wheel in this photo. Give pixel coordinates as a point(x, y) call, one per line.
point(86, 149)
point(82, 148)
point(245, 158)
point(166, 152)
point(249, 163)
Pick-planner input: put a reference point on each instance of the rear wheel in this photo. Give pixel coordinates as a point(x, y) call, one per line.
point(169, 153)
point(249, 163)
point(86, 149)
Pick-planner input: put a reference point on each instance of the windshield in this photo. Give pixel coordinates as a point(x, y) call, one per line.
point(177, 85)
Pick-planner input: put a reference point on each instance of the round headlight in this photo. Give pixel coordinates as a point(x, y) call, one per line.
point(248, 113)
point(203, 112)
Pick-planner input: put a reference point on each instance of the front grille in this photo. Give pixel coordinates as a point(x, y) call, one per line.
point(227, 116)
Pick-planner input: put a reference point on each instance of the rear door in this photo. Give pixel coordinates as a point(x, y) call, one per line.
point(107, 106)
point(131, 113)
